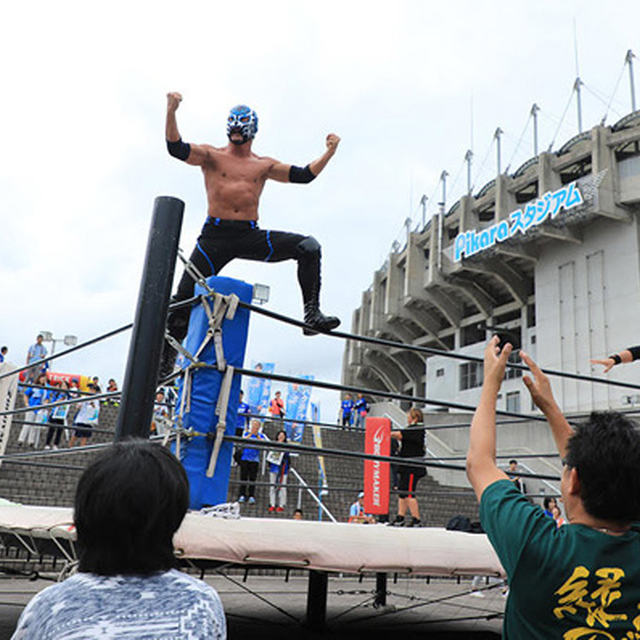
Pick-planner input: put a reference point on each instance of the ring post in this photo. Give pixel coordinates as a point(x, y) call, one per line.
point(138, 391)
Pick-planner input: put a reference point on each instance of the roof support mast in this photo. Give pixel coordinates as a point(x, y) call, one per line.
point(629, 61)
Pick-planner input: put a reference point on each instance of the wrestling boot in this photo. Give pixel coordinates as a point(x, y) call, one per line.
point(316, 320)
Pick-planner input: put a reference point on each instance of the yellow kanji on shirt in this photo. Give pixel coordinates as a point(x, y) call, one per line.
point(574, 595)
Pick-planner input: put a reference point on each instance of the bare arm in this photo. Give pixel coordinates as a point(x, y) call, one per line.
point(282, 172)
point(541, 393)
point(481, 457)
point(320, 163)
point(194, 154)
point(624, 357)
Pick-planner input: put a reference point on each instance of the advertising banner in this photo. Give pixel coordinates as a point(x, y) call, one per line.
point(80, 380)
point(376, 473)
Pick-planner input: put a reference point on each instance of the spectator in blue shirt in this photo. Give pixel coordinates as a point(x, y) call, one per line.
point(34, 397)
point(249, 463)
point(36, 352)
point(346, 410)
point(357, 513)
point(243, 412)
point(361, 410)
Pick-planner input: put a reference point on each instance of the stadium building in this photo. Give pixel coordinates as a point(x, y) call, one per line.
point(548, 256)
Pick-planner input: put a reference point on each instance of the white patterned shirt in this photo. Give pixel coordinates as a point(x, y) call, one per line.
point(163, 606)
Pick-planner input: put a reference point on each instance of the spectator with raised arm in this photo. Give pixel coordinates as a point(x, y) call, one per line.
point(581, 580)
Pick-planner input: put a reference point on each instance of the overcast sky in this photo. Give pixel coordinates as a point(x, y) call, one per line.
point(408, 85)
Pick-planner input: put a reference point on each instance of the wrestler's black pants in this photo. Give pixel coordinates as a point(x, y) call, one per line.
point(221, 241)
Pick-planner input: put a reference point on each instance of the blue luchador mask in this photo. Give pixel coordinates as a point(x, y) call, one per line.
point(244, 120)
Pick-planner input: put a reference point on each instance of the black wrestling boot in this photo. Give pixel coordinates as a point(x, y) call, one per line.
point(398, 522)
point(317, 320)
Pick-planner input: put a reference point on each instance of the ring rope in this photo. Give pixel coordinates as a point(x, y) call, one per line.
point(66, 352)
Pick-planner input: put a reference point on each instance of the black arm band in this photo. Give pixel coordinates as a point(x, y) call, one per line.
point(179, 149)
point(616, 358)
point(303, 176)
point(635, 352)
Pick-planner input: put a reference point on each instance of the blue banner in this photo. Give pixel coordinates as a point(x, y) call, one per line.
point(259, 389)
point(298, 397)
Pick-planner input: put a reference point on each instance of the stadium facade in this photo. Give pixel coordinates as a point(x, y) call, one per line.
point(548, 256)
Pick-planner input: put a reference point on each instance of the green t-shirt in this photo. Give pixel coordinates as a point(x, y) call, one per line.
point(572, 582)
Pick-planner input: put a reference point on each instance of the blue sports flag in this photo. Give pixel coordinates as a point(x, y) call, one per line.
point(259, 389)
point(298, 397)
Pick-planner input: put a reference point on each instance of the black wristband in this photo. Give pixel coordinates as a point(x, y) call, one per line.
point(616, 358)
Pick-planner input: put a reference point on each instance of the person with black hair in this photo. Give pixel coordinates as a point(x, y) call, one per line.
point(548, 504)
point(581, 580)
point(129, 503)
point(513, 474)
point(279, 462)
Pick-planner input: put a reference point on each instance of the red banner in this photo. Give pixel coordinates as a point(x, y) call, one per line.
point(376, 473)
point(56, 378)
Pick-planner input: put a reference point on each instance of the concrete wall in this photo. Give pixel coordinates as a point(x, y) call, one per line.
point(588, 301)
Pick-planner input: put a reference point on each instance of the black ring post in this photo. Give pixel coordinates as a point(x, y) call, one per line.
point(380, 599)
point(317, 600)
point(138, 389)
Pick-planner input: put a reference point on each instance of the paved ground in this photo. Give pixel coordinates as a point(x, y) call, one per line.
point(441, 608)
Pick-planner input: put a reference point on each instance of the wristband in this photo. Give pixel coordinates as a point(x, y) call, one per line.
point(616, 358)
point(179, 149)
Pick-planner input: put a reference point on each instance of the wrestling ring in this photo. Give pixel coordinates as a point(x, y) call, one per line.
point(216, 541)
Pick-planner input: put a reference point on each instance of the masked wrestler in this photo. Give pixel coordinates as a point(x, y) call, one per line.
point(234, 177)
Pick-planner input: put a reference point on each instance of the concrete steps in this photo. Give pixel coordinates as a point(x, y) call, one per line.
point(55, 485)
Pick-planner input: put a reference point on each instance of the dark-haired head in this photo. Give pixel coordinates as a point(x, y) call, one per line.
point(129, 503)
point(605, 452)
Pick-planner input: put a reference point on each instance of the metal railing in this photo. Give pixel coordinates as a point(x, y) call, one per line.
point(304, 485)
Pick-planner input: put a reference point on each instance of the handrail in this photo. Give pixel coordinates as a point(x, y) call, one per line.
point(304, 484)
point(527, 468)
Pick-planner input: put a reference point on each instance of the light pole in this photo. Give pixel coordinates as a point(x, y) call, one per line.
point(69, 341)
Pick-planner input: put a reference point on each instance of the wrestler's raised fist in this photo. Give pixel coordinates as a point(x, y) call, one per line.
point(332, 142)
point(173, 100)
